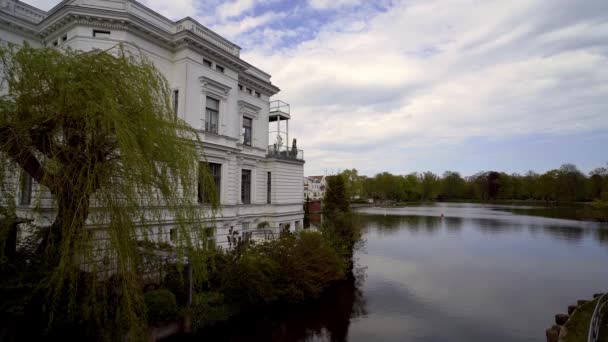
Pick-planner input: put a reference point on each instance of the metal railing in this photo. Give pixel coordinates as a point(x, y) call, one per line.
point(285, 152)
point(279, 106)
point(600, 310)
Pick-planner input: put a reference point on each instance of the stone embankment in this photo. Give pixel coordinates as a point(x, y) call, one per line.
point(574, 325)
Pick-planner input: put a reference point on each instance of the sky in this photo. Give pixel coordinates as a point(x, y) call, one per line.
point(416, 85)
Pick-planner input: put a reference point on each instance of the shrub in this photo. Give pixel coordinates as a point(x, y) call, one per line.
point(307, 264)
point(160, 306)
point(209, 308)
point(250, 278)
point(177, 282)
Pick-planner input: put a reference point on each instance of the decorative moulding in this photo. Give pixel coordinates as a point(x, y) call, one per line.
point(246, 108)
point(215, 87)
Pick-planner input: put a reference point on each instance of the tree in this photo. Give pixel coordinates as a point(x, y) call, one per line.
point(336, 197)
point(452, 185)
point(430, 185)
point(353, 183)
point(96, 130)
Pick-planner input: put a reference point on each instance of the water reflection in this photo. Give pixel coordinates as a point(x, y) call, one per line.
point(476, 274)
point(490, 220)
point(328, 319)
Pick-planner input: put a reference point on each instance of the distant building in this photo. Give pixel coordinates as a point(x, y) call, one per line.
point(314, 187)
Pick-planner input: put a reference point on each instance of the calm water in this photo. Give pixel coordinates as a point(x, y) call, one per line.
point(480, 273)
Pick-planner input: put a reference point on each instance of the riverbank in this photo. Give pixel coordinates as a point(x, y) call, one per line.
point(580, 211)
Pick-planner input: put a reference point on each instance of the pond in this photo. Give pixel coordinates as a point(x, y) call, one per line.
point(479, 273)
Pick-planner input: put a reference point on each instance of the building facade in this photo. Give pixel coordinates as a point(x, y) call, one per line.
point(314, 187)
point(245, 135)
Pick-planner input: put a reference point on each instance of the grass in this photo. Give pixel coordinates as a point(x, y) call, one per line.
point(577, 327)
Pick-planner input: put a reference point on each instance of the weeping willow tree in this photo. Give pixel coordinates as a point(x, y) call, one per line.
point(97, 132)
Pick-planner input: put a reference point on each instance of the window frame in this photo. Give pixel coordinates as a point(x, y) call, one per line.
point(268, 187)
point(216, 173)
point(175, 101)
point(103, 33)
point(25, 189)
point(247, 138)
point(210, 113)
point(246, 183)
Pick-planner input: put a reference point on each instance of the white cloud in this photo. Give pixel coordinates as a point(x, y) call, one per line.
point(231, 29)
point(234, 8)
point(440, 71)
point(174, 9)
point(327, 4)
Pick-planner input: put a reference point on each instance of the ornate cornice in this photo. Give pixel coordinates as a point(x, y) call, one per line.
point(258, 84)
point(185, 33)
point(248, 108)
point(209, 85)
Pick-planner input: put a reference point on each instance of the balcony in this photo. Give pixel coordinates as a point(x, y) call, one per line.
point(279, 110)
point(285, 152)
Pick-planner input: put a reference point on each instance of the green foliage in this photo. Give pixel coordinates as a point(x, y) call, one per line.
point(564, 185)
point(208, 308)
point(294, 268)
point(249, 278)
point(161, 306)
point(306, 264)
point(340, 228)
point(336, 197)
point(98, 129)
point(177, 282)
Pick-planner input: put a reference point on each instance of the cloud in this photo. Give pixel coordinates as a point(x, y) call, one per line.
point(396, 81)
point(440, 72)
point(331, 4)
point(174, 9)
point(232, 29)
point(234, 8)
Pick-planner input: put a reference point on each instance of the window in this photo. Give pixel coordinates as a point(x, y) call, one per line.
point(219, 68)
point(257, 94)
point(207, 63)
point(212, 115)
point(101, 33)
point(175, 101)
point(240, 87)
point(64, 38)
point(245, 186)
point(173, 234)
point(209, 232)
point(55, 43)
point(25, 191)
point(249, 91)
point(215, 171)
point(246, 131)
point(209, 238)
point(268, 187)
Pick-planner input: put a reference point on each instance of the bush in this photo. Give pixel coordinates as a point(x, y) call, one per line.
point(209, 308)
point(177, 282)
point(342, 231)
point(249, 279)
point(160, 306)
point(291, 269)
point(307, 265)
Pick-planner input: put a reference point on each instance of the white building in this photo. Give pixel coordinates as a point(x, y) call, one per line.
point(314, 187)
point(214, 90)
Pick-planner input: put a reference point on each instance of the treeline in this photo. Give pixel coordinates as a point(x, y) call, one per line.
point(565, 184)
